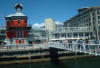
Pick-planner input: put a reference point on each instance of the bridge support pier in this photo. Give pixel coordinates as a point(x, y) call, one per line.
point(54, 55)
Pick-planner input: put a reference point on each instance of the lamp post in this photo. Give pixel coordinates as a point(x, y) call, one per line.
point(11, 41)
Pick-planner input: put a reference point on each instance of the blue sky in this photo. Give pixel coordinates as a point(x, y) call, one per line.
point(38, 10)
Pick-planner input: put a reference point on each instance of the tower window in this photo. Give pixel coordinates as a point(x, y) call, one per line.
point(25, 21)
point(12, 22)
point(8, 21)
point(18, 21)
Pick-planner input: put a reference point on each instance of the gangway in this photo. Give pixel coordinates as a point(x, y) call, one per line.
point(93, 49)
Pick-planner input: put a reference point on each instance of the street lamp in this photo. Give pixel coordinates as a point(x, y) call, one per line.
point(11, 41)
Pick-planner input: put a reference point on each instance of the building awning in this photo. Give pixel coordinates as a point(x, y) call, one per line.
point(68, 38)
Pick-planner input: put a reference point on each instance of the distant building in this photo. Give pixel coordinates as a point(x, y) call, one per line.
point(2, 35)
point(30, 36)
point(50, 24)
point(69, 33)
point(87, 17)
point(40, 34)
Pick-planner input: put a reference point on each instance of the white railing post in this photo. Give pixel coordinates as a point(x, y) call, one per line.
point(89, 49)
point(96, 47)
point(84, 48)
point(79, 47)
point(75, 47)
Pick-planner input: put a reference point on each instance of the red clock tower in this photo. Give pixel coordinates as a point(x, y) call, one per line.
point(17, 28)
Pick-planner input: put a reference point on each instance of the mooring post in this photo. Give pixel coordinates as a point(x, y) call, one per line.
point(54, 55)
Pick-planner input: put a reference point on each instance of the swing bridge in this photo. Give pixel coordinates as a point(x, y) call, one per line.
point(92, 49)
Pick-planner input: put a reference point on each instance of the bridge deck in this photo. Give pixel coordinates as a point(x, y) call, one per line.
point(93, 49)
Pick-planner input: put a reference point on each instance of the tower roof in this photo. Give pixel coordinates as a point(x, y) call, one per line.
point(18, 8)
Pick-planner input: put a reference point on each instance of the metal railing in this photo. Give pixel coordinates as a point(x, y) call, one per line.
point(12, 47)
point(93, 49)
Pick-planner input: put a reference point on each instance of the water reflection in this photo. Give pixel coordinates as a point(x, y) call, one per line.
point(93, 62)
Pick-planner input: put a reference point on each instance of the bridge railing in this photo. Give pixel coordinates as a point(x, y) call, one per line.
point(10, 47)
point(77, 47)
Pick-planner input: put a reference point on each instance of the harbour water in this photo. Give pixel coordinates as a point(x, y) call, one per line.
point(90, 62)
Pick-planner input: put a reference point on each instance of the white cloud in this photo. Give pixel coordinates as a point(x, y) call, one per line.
point(58, 23)
point(37, 25)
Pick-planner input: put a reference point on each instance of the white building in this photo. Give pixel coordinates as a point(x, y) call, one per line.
point(50, 24)
point(87, 17)
point(40, 34)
